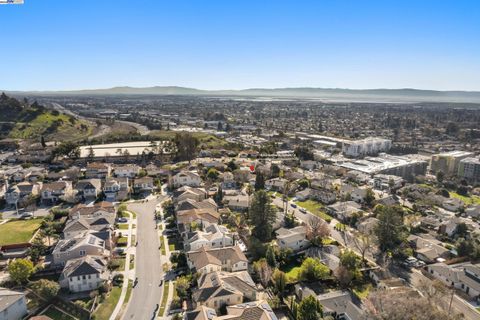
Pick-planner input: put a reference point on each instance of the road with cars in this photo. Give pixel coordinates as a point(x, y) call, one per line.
point(148, 285)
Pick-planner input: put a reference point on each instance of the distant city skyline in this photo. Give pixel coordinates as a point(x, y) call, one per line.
point(216, 45)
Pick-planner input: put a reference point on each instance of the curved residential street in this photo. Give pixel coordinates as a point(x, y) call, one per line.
point(146, 294)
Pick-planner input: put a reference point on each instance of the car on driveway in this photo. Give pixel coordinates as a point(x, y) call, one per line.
point(302, 210)
point(122, 220)
point(293, 205)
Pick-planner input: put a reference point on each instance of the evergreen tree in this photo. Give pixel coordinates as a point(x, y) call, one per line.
point(262, 216)
point(259, 181)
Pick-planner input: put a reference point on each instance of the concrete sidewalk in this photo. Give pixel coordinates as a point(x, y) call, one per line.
point(126, 272)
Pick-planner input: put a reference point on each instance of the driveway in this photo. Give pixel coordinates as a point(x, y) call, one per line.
point(147, 293)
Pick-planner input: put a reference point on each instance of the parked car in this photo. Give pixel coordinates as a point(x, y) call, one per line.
point(302, 210)
point(26, 215)
point(293, 205)
point(122, 220)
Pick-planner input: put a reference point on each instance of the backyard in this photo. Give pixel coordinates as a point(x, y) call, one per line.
point(18, 231)
point(56, 314)
point(467, 200)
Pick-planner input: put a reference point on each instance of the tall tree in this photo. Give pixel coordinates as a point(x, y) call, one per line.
point(259, 181)
point(309, 309)
point(390, 230)
point(186, 146)
point(262, 216)
point(20, 270)
point(279, 279)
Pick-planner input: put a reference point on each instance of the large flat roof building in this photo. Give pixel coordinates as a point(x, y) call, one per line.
point(447, 162)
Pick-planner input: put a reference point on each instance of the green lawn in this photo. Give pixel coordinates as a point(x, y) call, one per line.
point(123, 226)
point(363, 290)
point(466, 199)
point(162, 245)
point(105, 309)
point(163, 304)
point(316, 208)
point(122, 241)
point(132, 261)
point(57, 314)
point(18, 231)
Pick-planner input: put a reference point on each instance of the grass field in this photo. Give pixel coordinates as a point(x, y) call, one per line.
point(105, 309)
point(18, 231)
point(43, 124)
point(132, 261)
point(316, 208)
point(123, 226)
point(57, 314)
point(362, 291)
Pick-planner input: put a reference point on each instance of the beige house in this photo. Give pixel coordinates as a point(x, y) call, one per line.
point(78, 247)
point(84, 274)
point(217, 259)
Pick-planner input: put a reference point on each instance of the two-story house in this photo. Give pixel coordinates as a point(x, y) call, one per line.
point(17, 193)
point(97, 170)
point(84, 274)
point(56, 191)
point(186, 178)
point(127, 171)
point(88, 189)
point(77, 247)
point(229, 259)
point(116, 189)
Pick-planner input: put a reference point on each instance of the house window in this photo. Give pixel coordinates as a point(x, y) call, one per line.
point(82, 252)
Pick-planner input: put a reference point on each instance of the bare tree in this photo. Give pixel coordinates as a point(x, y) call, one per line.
point(317, 230)
point(364, 243)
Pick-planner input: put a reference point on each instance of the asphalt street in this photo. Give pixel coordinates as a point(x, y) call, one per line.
point(147, 292)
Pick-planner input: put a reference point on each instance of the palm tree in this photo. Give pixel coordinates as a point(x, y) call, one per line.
point(49, 233)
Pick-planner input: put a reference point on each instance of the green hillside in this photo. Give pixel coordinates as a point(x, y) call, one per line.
point(22, 120)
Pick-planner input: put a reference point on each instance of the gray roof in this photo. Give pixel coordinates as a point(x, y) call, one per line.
point(8, 298)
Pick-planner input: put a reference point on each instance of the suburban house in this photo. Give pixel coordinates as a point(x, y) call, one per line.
point(202, 217)
point(84, 274)
point(339, 304)
point(55, 191)
point(344, 210)
point(88, 189)
point(99, 209)
point(21, 191)
point(255, 310)
point(116, 189)
point(463, 276)
point(356, 194)
point(228, 181)
point(275, 184)
point(76, 227)
point(127, 171)
point(386, 182)
point(229, 259)
point(428, 250)
point(186, 178)
point(237, 202)
point(77, 247)
point(294, 239)
point(189, 204)
point(219, 289)
point(97, 170)
point(143, 185)
point(186, 192)
point(13, 304)
point(214, 236)
point(322, 195)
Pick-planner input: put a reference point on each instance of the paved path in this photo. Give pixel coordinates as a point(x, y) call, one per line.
point(119, 305)
point(147, 292)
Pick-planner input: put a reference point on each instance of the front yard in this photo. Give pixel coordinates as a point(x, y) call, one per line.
point(18, 231)
point(106, 307)
point(316, 208)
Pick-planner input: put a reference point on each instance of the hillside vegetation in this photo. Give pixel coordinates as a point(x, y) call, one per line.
point(22, 120)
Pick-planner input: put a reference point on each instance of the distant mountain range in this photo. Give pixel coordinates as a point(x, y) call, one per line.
point(327, 94)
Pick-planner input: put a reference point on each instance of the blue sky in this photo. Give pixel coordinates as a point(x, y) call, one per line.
point(79, 44)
